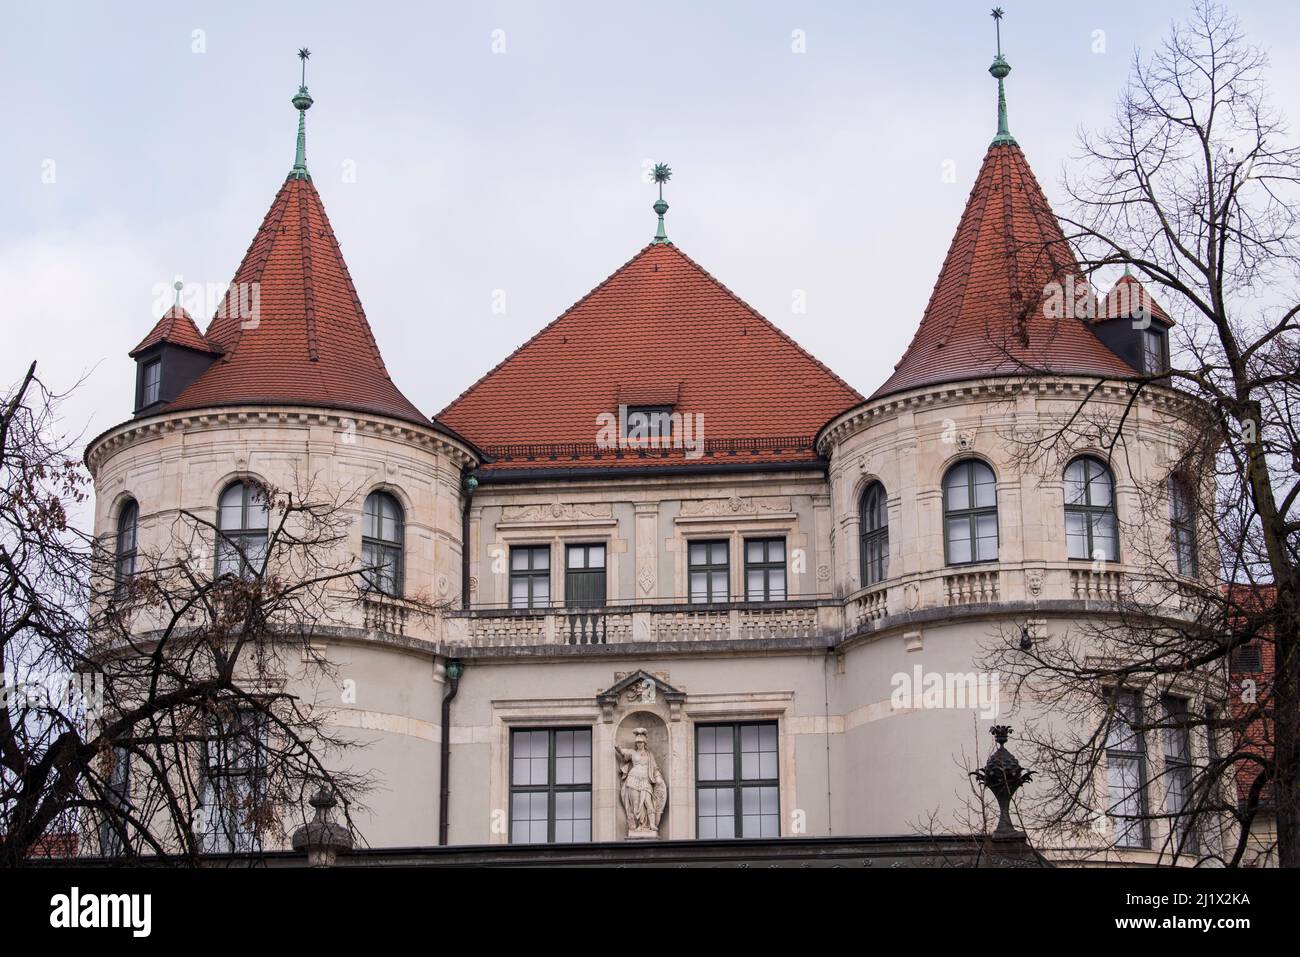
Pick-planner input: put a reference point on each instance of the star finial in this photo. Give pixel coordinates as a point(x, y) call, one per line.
point(661, 174)
point(302, 102)
point(1000, 69)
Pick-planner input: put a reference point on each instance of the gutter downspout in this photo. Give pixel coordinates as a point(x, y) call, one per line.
point(453, 670)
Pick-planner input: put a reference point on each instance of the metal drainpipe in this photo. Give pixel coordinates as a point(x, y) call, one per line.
point(454, 669)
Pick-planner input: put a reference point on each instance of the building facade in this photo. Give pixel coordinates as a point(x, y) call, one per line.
point(678, 569)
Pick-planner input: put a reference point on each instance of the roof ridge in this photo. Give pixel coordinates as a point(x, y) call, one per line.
point(308, 288)
point(270, 223)
point(337, 249)
point(538, 334)
point(767, 322)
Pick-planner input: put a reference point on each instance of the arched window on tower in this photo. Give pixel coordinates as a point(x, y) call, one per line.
point(382, 530)
point(242, 520)
point(873, 525)
point(1182, 520)
point(1091, 529)
point(970, 513)
point(125, 546)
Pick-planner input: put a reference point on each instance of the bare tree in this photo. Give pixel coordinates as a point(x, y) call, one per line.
point(1193, 188)
point(166, 701)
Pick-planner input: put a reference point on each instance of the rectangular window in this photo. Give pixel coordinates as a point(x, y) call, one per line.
point(1178, 772)
point(584, 576)
point(765, 569)
point(1153, 352)
point(1126, 774)
point(550, 786)
point(530, 576)
point(113, 826)
point(737, 782)
point(151, 382)
point(233, 783)
point(708, 572)
point(649, 423)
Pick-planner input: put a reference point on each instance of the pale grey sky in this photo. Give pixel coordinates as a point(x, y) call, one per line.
point(500, 146)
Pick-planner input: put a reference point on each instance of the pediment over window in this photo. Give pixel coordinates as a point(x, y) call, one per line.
point(640, 687)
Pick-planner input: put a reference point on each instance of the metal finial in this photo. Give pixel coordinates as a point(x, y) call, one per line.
point(302, 102)
point(178, 286)
point(661, 174)
point(1000, 69)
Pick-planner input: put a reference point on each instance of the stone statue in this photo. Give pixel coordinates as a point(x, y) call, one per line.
point(644, 793)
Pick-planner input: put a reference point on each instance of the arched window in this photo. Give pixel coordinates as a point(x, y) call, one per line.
point(382, 528)
point(1091, 530)
point(242, 519)
point(970, 513)
point(1182, 520)
point(125, 547)
point(873, 525)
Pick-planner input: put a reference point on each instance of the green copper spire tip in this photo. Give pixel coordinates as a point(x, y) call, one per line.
point(661, 174)
point(302, 102)
point(1000, 69)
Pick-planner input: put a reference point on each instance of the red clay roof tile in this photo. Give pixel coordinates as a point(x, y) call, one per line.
point(291, 326)
point(660, 330)
point(175, 327)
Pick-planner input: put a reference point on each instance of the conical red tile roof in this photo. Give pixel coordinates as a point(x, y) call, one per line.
point(986, 315)
point(175, 327)
point(291, 329)
point(659, 331)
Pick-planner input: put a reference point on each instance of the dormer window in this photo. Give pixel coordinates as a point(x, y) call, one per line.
point(1153, 351)
point(648, 423)
point(150, 382)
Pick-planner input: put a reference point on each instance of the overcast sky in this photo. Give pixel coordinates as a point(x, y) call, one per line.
point(475, 153)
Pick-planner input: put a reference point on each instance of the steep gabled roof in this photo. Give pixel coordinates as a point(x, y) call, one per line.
point(659, 331)
point(176, 328)
point(291, 328)
point(990, 312)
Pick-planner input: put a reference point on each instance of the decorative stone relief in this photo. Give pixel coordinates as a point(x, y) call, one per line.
point(966, 440)
point(823, 573)
point(1034, 581)
point(912, 596)
point(734, 506)
point(557, 510)
point(645, 578)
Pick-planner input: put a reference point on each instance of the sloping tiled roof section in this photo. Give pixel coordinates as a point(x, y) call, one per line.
point(175, 327)
point(1126, 297)
point(660, 330)
point(986, 315)
point(291, 327)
